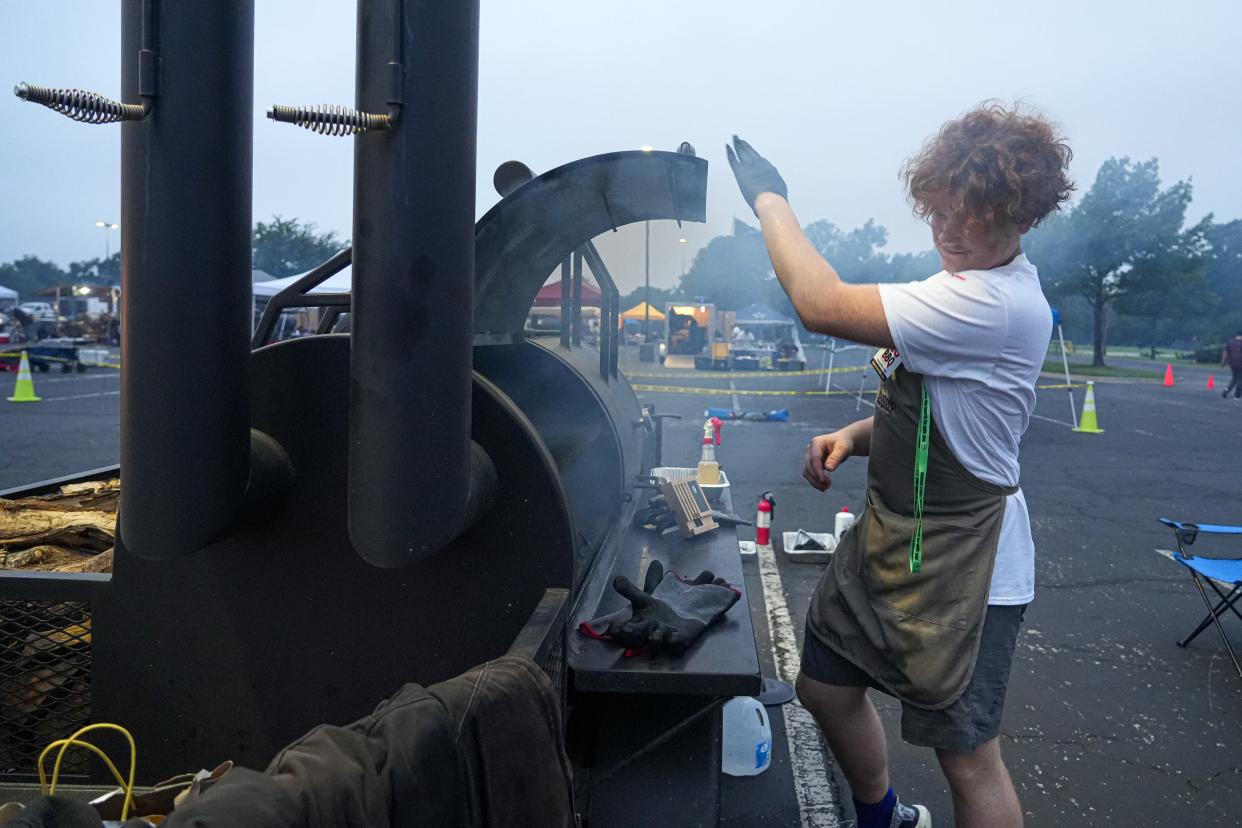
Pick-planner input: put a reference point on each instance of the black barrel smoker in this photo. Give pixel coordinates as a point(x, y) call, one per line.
point(307, 525)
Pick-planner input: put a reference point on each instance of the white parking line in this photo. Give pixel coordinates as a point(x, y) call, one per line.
point(83, 396)
point(1050, 420)
point(79, 378)
point(817, 799)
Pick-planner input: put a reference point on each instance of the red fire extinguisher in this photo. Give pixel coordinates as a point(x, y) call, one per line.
point(763, 522)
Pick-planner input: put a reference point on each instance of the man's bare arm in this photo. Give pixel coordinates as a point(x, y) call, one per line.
point(824, 302)
point(860, 433)
point(826, 453)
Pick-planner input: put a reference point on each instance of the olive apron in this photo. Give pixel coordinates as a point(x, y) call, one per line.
point(915, 632)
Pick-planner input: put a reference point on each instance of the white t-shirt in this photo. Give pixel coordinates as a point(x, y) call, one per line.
point(979, 338)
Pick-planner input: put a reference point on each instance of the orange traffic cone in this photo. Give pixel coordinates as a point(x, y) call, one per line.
point(1211, 382)
point(1168, 376)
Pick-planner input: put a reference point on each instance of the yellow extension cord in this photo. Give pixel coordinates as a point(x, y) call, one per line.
point(64, 744)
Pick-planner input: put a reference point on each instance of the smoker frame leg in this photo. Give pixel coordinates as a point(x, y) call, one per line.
point(658, 759)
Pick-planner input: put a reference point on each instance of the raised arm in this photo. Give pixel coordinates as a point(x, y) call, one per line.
point(824, 302)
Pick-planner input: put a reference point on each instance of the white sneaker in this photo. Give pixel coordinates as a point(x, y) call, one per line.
point(911, 816)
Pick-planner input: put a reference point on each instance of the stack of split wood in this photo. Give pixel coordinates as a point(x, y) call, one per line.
point(45, 661)
point(72, 530)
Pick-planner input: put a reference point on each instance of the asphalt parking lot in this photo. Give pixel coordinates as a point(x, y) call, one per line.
point(1108, 721)
point(75, 427)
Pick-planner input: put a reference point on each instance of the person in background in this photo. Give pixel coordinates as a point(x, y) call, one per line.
point(1232, 357)
point(929, 612)
point(23, 326)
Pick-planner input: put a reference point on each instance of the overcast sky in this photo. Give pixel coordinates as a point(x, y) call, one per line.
point(835, 94)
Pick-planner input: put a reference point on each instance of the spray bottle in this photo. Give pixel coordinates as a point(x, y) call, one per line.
point(709, 469)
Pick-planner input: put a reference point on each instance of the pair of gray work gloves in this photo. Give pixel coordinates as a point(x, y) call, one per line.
point(667, 615)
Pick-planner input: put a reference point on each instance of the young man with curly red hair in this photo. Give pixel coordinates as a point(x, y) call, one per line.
point(925, 594)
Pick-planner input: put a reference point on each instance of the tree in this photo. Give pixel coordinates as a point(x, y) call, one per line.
point(1107, 244)
point(731, 271)
point(96, 271)
point(907, 267)
point(1169, 289)
point(30, 274)
point(855, 254)
point(734, 271)
point(659, 297)
point(1224, 277)
point(284, 247)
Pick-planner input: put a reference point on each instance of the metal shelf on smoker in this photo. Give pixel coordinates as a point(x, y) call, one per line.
point(723, 662)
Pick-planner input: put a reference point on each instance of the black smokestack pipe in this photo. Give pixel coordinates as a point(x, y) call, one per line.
point(185, 272)
point(415, 479)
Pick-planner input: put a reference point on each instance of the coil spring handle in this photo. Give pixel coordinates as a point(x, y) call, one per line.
point(336, 120)
point(93, 108)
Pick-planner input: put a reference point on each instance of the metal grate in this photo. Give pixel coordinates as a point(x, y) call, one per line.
point(45, 673)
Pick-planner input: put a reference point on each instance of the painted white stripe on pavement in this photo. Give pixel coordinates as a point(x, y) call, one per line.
point(1067, 425)
point(83, 396)
point(80, 378)
point(817, 796)
point(1050, 420)
point(737, 406)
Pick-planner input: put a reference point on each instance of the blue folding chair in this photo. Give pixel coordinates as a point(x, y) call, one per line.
point(1215, 572)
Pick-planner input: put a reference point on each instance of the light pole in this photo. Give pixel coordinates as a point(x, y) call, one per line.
point(647, 291)
point(683, 258)
point(107, 226)
point(647, 276)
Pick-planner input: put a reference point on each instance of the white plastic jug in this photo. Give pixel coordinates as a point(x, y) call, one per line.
point(845, 519)
point(747, 742)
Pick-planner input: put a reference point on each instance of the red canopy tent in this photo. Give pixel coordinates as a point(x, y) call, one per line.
point(549, 296)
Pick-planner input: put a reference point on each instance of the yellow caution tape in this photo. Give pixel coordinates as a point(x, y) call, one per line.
point(689, 374)
point(18, 355)
point(754, 392)
point(741, 392)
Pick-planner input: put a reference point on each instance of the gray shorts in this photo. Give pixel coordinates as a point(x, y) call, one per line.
point(970, 721)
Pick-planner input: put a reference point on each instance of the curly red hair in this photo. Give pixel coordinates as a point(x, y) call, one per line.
point(992, 165)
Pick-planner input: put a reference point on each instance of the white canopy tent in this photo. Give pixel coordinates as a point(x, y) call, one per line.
point(340, 282)
point(7, 294)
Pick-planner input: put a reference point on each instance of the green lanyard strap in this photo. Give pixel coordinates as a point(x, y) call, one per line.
point(920, 480)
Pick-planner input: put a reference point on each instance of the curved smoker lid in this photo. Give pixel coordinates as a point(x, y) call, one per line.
point(528, 233)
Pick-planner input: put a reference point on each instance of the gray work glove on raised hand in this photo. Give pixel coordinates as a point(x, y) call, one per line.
point(754, 173)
